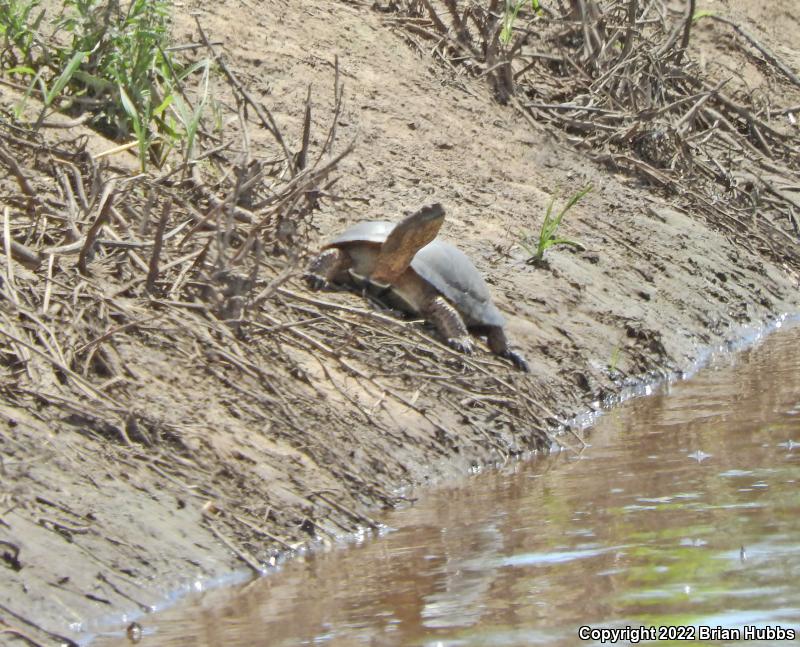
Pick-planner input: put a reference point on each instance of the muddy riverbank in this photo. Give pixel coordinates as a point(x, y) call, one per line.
point(645, 528)
point(164, 427)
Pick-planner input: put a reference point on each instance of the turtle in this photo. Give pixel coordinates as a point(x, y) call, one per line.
point(408, 267)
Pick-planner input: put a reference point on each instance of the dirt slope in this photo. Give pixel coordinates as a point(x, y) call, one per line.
point(235, 450)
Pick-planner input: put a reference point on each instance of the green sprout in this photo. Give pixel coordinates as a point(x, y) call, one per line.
point(510, 16)
point(547, 236)
point(612, 364)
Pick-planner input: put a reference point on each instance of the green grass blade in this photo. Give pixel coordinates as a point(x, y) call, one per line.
point(21, 69)
point(703, 13)
point(565, 241)
point(127, 105)
point(64, 78)
point(138, 126)
point(575, 198)
point(163, 105)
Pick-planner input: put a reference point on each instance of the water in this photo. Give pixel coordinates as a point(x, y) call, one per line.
point(683, 512)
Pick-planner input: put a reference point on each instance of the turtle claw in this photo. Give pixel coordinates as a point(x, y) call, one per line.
point(315, 281)
point(461, 344)
point(517, 359)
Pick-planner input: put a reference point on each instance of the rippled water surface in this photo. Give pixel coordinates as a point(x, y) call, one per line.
point(684, 511)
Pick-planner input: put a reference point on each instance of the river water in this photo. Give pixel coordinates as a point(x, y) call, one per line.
point(683, 514)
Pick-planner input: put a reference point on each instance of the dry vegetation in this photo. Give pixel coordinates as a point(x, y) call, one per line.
point(196, 259)
point(618, 78)
point(156, 317)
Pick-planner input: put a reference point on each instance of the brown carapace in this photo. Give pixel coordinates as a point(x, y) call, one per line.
point(419, 274)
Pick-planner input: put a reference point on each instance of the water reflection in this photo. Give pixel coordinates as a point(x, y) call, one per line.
point(684, 511)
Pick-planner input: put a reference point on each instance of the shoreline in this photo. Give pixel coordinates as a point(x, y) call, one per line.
point(163, 428)
point(748, 338)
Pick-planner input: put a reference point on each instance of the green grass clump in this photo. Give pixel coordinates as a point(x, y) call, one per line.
point(547, 235)
point(109, 60)
point(19, 25)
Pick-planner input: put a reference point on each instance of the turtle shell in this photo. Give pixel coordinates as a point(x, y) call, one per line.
point(452, 273)
point(371, 231)
point(445, 267)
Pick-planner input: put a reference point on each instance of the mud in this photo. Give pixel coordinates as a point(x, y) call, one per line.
point(209, 476)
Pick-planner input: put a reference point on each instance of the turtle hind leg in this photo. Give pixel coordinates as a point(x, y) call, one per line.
point(449, 324)
point(498, 344)
point(325, 267)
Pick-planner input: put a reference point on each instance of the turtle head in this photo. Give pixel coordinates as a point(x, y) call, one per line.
point(409, 236)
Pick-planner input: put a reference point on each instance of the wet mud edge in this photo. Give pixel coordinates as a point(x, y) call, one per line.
point(228, 461)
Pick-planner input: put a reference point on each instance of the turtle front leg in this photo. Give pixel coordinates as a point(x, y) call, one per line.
point(498, 344)
point(449, 324)
point(325, 267)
